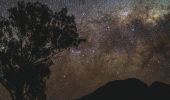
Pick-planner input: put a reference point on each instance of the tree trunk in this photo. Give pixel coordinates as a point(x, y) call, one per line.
point(8, 89)
point(15, 94)
point(18, 96)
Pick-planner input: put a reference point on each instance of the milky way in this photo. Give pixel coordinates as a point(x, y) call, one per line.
point(125, 39)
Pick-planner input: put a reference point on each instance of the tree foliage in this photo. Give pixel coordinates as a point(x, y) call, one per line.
point(29, 38)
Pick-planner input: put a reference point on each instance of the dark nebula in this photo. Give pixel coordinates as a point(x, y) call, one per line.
point(125, 39)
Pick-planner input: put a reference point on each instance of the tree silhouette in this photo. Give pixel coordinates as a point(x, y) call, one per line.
point(29, 38)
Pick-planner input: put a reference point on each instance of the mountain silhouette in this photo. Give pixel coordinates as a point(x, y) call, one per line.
point(130, 89)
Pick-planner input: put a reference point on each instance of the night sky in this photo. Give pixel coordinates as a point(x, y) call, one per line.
point(116, 48)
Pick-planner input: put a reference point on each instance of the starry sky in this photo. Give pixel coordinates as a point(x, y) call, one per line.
point(122, 41)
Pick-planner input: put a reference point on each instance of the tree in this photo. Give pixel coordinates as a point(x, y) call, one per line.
point(29, 38)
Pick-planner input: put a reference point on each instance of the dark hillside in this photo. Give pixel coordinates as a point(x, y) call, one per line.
point(130, 89)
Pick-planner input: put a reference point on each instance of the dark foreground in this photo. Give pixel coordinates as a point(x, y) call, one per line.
point(130, 89)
